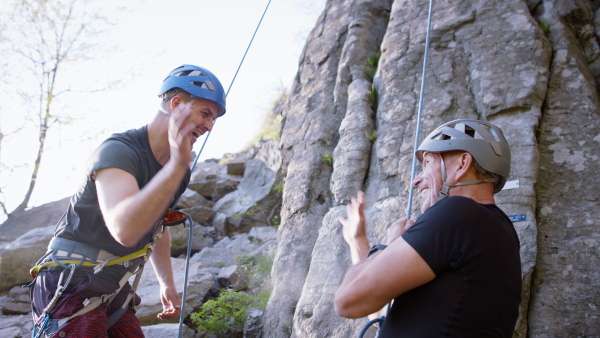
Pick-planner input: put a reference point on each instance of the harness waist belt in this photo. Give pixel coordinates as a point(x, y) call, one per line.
point(66, 248)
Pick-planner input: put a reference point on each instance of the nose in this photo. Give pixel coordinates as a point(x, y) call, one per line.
point(209, 124)
point(417, 179)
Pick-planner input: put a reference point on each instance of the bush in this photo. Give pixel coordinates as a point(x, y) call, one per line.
point(225, 314)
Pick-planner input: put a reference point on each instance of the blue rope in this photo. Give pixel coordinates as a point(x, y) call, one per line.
point(185, 282)
point(419, 113)
point(234, 76)
point(189, 248)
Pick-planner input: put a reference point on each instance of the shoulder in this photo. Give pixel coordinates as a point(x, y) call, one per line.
point(120, 150)
point(449, 209)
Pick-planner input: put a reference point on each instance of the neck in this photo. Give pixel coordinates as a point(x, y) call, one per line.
point(481, 193)
point(158, 135)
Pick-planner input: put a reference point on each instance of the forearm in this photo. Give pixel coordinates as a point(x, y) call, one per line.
point(359, 249)
point(161, 261)
point(132, 218)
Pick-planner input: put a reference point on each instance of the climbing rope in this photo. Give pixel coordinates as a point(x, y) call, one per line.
point(419, 112)
point(187, 259)
point(380, 320)
point(234, 76)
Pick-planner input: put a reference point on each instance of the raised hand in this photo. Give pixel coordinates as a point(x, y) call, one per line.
point(180, 133)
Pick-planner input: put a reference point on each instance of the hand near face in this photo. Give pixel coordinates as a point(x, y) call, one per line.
point(180, 133)
point(354, 223)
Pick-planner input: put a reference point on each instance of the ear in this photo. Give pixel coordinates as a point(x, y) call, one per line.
point(463, 164)
point(175, 101)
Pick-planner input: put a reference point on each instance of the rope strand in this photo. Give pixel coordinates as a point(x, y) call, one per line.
point(419, 113)
point(190, 234)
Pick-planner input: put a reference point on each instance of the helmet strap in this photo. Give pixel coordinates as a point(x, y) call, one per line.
point(446, 186)
point(164, 111)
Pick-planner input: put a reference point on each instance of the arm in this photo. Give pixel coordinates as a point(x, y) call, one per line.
point(373, 282)
point(161, 261)
point(129, 213)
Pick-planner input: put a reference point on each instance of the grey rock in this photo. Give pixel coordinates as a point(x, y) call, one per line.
point(233, 277)
point(21, 255)
point(167, 330)
point(253, 325)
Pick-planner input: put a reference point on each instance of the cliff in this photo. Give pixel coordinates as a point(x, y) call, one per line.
point(530, 67)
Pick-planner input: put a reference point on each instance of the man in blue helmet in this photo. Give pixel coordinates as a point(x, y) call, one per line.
point(114, 221)
point(456, 271)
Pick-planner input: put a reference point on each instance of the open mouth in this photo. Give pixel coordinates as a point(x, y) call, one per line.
point(196, 133)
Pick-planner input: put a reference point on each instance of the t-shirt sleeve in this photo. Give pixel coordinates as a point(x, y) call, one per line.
point(113, 154)
point(439, 235)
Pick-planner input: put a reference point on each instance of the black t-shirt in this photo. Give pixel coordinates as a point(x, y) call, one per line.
point(473, 250)
point(83, 221)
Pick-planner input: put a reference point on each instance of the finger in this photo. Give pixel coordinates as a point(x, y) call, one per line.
point(408, 224)
point(360, 196)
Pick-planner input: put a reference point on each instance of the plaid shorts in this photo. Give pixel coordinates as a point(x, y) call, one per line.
point(83, 285)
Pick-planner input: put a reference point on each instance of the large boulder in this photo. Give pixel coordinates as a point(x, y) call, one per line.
point(21, 255)
point(38, 217)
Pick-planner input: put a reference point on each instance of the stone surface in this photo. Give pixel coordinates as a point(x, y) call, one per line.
point(531, 67)
point(21, 255)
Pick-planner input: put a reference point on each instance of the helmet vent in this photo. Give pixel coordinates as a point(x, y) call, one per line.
point(191, 73)
point(205, 85)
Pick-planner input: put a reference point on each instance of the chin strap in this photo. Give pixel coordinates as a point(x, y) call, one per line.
point(164, 111)
point(446, 186)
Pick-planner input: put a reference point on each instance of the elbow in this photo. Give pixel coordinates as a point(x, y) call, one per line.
point(127, 241)
point(124, 237)
point(343, 308)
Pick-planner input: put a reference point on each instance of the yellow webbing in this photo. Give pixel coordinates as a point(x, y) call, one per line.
point(142, 252)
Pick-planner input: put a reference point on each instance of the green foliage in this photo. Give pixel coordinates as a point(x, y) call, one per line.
point(327, 157)
point(545, 27)
point(373, 99)
point(271, 125)
point(275, 221)
point(225, 314)
point(264, 264)
point(262, 298)
point(371, 67)
point(278, 187)
point(244, 260)
point(253, 210)
point(373, 136)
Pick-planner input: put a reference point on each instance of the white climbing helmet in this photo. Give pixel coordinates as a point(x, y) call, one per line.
point(483, 140)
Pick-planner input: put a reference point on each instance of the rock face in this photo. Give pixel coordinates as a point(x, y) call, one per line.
point(531, 67)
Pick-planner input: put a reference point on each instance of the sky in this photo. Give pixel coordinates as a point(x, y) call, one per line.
point(147, 42)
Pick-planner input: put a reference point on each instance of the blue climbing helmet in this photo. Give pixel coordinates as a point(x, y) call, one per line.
point(483, 140)
point(197, 81)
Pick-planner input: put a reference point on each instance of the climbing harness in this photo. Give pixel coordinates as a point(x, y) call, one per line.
point(190, 231)
point(71, 255)
point(381, 319)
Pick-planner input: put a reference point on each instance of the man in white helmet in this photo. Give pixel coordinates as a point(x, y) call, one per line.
point(456, 271)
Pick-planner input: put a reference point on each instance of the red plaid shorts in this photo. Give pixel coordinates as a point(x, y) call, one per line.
point(93, 323)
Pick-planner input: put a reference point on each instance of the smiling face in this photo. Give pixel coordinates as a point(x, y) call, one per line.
point(202, 116)
point(429, 181)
